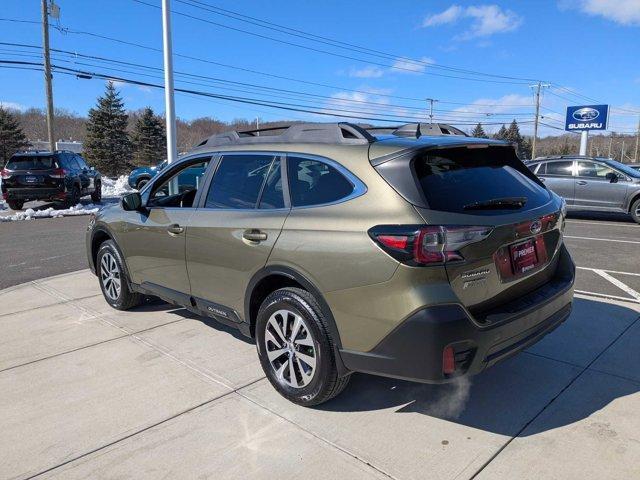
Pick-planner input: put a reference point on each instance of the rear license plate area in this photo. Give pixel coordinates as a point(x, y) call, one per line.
point(31, 179)
point(524, 257)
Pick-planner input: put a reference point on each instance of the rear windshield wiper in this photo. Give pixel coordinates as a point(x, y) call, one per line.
point(508, 203)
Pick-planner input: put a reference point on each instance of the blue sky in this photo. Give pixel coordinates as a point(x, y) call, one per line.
point(584, 47)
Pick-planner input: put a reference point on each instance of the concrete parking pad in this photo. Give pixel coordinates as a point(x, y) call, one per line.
point(592, 326)
point(601, 439)
point(54, 410)
point(428, 431)
point(23, 297)
point(31, 335)
point(222, 352)
point(230, 438)
point(623, 358)
point(72, 285)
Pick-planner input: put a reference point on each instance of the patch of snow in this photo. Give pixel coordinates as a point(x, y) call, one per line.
point(30, 213)
point(116, 188)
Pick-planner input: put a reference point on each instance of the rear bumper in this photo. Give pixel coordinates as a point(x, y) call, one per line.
point(27, 194)
point(413, 351)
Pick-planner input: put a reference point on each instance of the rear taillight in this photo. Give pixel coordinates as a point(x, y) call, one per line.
point(4, 173)
point(427, 245)
point(448, 361)
point(58, 173)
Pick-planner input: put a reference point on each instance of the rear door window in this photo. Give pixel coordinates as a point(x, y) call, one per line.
point(564, 169)
point(454, 179)
point(32, 163)
point(312, 182)
point(238, 181)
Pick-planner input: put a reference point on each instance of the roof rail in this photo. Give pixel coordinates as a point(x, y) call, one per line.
point(333, 133)
point(418, 130)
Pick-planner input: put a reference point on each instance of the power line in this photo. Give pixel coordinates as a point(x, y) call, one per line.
point(327, 52)
point(333, 42)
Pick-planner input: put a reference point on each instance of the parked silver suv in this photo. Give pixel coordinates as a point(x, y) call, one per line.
point(591, 184)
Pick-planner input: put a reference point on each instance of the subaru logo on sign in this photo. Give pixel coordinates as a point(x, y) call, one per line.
point(586, 114)
point(587, 117)
point(535, 227)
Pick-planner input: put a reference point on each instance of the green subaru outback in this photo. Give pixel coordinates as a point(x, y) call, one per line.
point(413, 252)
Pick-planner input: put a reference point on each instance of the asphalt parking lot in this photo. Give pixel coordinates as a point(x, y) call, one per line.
point(89, 392)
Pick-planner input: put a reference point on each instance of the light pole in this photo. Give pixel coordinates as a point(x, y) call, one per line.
point(170, 108)
point(47, 74)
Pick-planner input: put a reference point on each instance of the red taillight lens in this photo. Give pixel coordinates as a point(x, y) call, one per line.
point(425, 245)
point(448, 361)
point(58, 173)
point(394, 241)
point(4, 173)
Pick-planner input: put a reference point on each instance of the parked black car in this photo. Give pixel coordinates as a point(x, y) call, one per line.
point(59, 176)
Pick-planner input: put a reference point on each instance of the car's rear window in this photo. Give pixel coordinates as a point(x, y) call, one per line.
point(32, 163)
point(454, 179)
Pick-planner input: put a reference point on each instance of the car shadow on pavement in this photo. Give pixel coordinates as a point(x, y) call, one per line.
point(504, 398)
point(154, 304)
point(602, 216)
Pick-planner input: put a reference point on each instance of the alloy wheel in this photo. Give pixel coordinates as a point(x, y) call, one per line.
point(110, 276)
point(290, 348)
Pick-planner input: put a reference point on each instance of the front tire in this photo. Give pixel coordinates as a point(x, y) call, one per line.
point(295, 348)
point(15, 204)
point(635, 210)
point(113, 278)
point(96, 196)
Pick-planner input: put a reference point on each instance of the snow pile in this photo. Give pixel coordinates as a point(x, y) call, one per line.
point(116, 188)
point(30, 213)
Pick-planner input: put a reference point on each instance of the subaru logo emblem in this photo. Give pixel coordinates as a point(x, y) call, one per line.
point(586, 114)
point(535, 227)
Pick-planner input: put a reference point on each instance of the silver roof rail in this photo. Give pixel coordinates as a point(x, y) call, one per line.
point(333, 133)
point(418, 130)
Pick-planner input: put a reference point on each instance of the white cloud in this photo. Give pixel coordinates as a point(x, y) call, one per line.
point(12, 105)
point(370, 71)
point(406, 65)
point(450, 15)
point(624, 12)
point(485, 20)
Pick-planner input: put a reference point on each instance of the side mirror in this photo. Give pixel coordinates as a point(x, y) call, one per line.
point(132, 202)
point(612, 177)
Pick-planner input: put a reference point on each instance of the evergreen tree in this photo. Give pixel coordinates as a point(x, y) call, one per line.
point(526, 149)
point(107, 145)
point(513, 133)
point(149, 141)
point(479, 132)
point(501, 134)
point(12, 138)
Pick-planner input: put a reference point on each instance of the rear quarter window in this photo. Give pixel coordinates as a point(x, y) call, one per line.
point(453, 178)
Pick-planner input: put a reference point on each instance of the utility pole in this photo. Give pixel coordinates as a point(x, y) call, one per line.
point(431, 102)
point(258, 125)
point(610, 144)
point(635, 157)
point(537, 88)
point(170, 108)
point(47, 74)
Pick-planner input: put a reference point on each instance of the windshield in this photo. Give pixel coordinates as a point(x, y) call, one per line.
point(486, 181)
point(31, 162)
point(626, 169)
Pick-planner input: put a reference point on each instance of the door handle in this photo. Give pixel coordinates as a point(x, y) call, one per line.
point(582, 182)
point(254, 235)
point(175, 229)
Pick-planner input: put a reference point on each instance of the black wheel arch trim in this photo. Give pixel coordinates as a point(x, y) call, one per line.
point(102, 229)
point(311, 288)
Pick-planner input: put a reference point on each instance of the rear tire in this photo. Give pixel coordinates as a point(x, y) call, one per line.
point(635, 210)
point(96, 196)
point(299, 361)
point(15, 204)
point(74, 197)
point(113, 278)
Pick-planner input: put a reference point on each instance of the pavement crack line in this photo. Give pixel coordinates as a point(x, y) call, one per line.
point(315, 435)
point(203, 372)
point(142, 430)
point(552, 400)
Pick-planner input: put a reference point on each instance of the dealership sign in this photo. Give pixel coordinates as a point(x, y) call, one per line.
point(587, 117)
